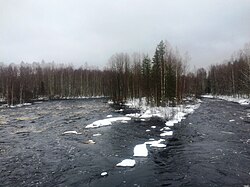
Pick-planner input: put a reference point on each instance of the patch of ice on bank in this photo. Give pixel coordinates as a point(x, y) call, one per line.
point(171, 123)
point(120, 110)
point(207, 96)
point(153, 127)
point(244, 102)
point(141, 150)
point(147, 130)
point(167, 133)
point(106, 122)
point(71, 132)
point(126, 163)
point(136, 115)
point(146, 114)
point(124, 121)
point(109, 116)
point(110, 102)
point(27, 104)
point(241, 100)
point(98, 134)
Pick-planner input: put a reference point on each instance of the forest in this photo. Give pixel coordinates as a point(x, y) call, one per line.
point(163, 79)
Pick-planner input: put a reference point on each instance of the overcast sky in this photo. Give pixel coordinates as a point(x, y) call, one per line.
point(79, 31)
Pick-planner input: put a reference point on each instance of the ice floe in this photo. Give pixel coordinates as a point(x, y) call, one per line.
point(167, 133)
point(140, 150)
point(156, 143)
point(165, 129)
point(126, 163)
point(104, 173)
point(98, 134)
point(89, 142)
point(71, 132)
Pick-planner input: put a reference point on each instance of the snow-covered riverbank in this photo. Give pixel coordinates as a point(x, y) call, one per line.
point(240, 100)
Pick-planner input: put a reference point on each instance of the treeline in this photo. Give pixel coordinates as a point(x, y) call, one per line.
point(162, 79)
point(21, 83)
point(229, 78)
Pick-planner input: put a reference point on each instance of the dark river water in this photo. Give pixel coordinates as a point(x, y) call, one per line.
point(211, 147)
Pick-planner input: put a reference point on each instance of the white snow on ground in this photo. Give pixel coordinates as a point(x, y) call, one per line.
point(141, 150)
point(241, 100)
point(231, 120)
point(106, 122)
point(71, 132)
point(147, 130)
point(126, 163)
point(109, 116)
point(153, 127)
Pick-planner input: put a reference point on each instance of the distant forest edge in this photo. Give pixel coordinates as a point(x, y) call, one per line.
point(163, 79)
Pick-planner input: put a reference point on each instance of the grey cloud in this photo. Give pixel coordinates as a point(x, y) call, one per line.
point(90, 30)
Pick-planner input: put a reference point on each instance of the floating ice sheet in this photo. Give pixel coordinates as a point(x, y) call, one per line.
point(106, 122)
point(71, 132)
point(126, 163)
point(141, 150)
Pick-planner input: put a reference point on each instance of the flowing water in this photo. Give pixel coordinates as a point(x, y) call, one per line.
point(209, 148)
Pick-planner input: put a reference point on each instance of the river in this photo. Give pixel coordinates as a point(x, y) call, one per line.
point(211, 147)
